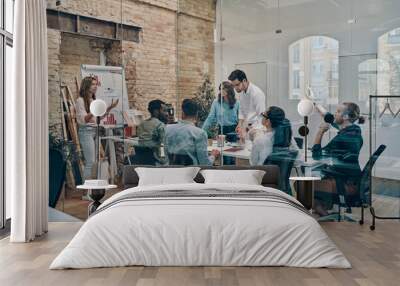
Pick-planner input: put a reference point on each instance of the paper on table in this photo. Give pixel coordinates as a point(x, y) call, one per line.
point(234, 149)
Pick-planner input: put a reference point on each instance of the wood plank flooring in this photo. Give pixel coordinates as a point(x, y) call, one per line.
point(375, 257)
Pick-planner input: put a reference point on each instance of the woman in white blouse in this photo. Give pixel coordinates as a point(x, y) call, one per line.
point(278, 135)
point(86, 122)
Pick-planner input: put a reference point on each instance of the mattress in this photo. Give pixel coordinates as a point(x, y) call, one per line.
point(201, 225)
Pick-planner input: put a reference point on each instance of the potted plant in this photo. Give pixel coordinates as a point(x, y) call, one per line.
point(204, 98)
point(57, 167)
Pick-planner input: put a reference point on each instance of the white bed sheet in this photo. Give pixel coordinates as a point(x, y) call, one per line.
point(200, 232)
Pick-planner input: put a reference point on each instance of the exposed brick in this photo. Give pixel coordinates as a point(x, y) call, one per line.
point(151, 64)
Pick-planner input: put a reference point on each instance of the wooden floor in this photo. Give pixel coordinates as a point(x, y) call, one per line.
point(375, 257)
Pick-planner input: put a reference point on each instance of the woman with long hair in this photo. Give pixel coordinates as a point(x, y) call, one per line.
point(278, 136)
point(86, 121)
point(224, 110)
point(224, 113)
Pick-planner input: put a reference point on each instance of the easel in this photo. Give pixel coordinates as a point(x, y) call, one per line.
point(70, 133)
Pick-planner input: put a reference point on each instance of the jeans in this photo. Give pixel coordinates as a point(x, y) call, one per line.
point(87, 136)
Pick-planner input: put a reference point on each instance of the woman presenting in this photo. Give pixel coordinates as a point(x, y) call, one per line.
point(86, 122)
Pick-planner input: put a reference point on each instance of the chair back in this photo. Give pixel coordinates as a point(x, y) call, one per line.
point(365, 180)
point(180, 159)
point(57, 171)
point(285, 160)
point(299, 142)
point(143, 156)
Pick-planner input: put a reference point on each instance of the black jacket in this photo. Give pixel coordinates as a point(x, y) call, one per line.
point(344, 148)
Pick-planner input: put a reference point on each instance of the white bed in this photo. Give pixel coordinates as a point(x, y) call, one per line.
point(201, 231)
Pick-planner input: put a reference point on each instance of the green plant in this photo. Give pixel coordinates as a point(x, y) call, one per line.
point(204, 98)
point(57, 142)
point(212, 132)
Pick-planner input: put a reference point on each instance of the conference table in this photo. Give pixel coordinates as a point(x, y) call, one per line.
point(242, 153)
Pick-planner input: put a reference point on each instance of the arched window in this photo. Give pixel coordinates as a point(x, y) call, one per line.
point(389, 51)
point(388, 77)
point(368, 72)
point(314, 63)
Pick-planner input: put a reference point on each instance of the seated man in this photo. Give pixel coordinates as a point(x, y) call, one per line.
point(344, 174)
point(151, 132)
point(184, 139)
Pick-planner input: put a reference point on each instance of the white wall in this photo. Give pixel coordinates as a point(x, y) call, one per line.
point(248, 29)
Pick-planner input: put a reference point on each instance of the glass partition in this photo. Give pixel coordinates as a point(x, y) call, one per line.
point(85, 64)
point(216, 82)
point(331, 52)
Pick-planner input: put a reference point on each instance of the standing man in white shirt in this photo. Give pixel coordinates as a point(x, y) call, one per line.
point(251, 101)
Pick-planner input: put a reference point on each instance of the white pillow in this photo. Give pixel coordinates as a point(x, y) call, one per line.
point(248, 177)
point(166, 176)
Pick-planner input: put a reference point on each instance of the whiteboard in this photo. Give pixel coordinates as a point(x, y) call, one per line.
point(256, 73)
point(111, 86)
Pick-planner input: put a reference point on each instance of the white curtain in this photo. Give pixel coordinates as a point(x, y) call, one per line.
point(27, 124)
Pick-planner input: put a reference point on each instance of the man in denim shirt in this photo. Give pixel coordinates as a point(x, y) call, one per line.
point(187, 140)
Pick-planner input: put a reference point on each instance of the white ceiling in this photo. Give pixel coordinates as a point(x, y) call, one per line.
point(263, 16)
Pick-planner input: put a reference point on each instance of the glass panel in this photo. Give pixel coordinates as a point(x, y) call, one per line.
point(380, 19)
point(385, 180)
point(85, 63)
point(2, 154)
point(328, 46)
point(187, 49)
point(317, 60)
point(8, 92)
point(9, 15)
point(1, 14)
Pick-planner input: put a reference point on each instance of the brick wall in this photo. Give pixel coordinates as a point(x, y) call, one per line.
point(154, 58)
point(53, 41)
point(195, 52)
point(151, 64)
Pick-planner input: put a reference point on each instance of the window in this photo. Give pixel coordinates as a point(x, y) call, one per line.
point(9, 15)
point(394, 36)
point(335, 70)
point(388, 65)
point(6, 44)
point(367, 73)
point(317, 42)
point(296, 79)
point(296, 53)
point(318, 65)
point(318, 69)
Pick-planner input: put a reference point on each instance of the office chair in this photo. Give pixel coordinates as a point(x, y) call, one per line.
point(363, 196)
point(143, 156)
point(299, 142)
point(180, 159)
point(285, 160)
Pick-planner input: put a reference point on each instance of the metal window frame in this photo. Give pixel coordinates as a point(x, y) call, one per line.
point(6, 39)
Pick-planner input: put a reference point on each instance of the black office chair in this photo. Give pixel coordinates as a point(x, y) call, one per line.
point(362, 198)
point(285, 160)
point(365, 187)
point(299, 142)
point(143, 156)
point(180, 159)
point(57, 169)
